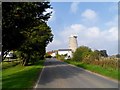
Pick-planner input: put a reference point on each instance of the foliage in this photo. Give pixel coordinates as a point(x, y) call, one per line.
point(86, 55)
point(96, 61)
point(47, 55)
point(118, 55)
point(112, 63)
point(103, 53)
point(34, 47)
point(25, 29)
point(81, 53)
point(113, 73)
point(60, 57)
point(93, 55)
point(57, 55)
point(18, 17)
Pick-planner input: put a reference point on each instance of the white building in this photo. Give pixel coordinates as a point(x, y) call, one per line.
point(67, 52)
point(53, 54)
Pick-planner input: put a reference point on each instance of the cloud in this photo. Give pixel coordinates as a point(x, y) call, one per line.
point(113, 22)
point(56, 43)
point(93, 32)
point(89, 14)
point(93, 37)
point(111, 34)
point(73, 29)
point(74, 7)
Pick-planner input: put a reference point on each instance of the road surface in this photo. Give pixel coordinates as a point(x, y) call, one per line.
point(57, 74)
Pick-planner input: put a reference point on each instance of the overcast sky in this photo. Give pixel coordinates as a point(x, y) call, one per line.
point(95, 24)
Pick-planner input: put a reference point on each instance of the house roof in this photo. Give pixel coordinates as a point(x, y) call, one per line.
point(64, 50)
point(50, 52)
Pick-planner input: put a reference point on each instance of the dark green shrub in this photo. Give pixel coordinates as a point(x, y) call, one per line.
point(81, 53)
point(48, 56)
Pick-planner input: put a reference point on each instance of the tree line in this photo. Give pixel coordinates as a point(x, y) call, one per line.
point(25, 30)
point(84, 54)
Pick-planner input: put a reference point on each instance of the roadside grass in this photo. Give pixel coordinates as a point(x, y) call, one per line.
point(109, 72)
point(21, 77)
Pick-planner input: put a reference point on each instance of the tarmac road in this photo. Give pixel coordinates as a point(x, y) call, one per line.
point(57, 74)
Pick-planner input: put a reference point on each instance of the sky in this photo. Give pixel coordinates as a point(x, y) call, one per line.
point(94, 23)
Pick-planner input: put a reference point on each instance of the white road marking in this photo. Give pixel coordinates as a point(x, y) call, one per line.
point(39, 78)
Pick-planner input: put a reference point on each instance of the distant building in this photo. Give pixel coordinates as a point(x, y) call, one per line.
point(73, 43)
point(52, 53)
point(67, 52)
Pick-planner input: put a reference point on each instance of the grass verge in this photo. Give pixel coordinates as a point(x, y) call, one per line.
point(21, 77)
point(112, 73)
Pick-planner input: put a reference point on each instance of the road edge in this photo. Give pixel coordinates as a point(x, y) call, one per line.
point(36, 84)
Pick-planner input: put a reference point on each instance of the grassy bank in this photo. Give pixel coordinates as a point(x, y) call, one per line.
point(109, 72)
point(21, 77)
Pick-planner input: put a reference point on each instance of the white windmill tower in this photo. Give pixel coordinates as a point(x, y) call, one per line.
point(73, 42)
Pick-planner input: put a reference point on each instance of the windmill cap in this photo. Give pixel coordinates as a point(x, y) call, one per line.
point(73, 36)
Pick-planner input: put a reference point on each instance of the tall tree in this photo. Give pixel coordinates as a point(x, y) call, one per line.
point(34, 47)
point(18, 18)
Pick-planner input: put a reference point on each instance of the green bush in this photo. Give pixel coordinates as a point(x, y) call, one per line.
point(81, 53)
point(61, 57)
point(86, 55)
point(49, 56)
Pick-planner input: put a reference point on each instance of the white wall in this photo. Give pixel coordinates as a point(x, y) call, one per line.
point(53, 54)
point(69, 53)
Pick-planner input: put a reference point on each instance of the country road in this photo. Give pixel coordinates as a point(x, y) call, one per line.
point(57, 74)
